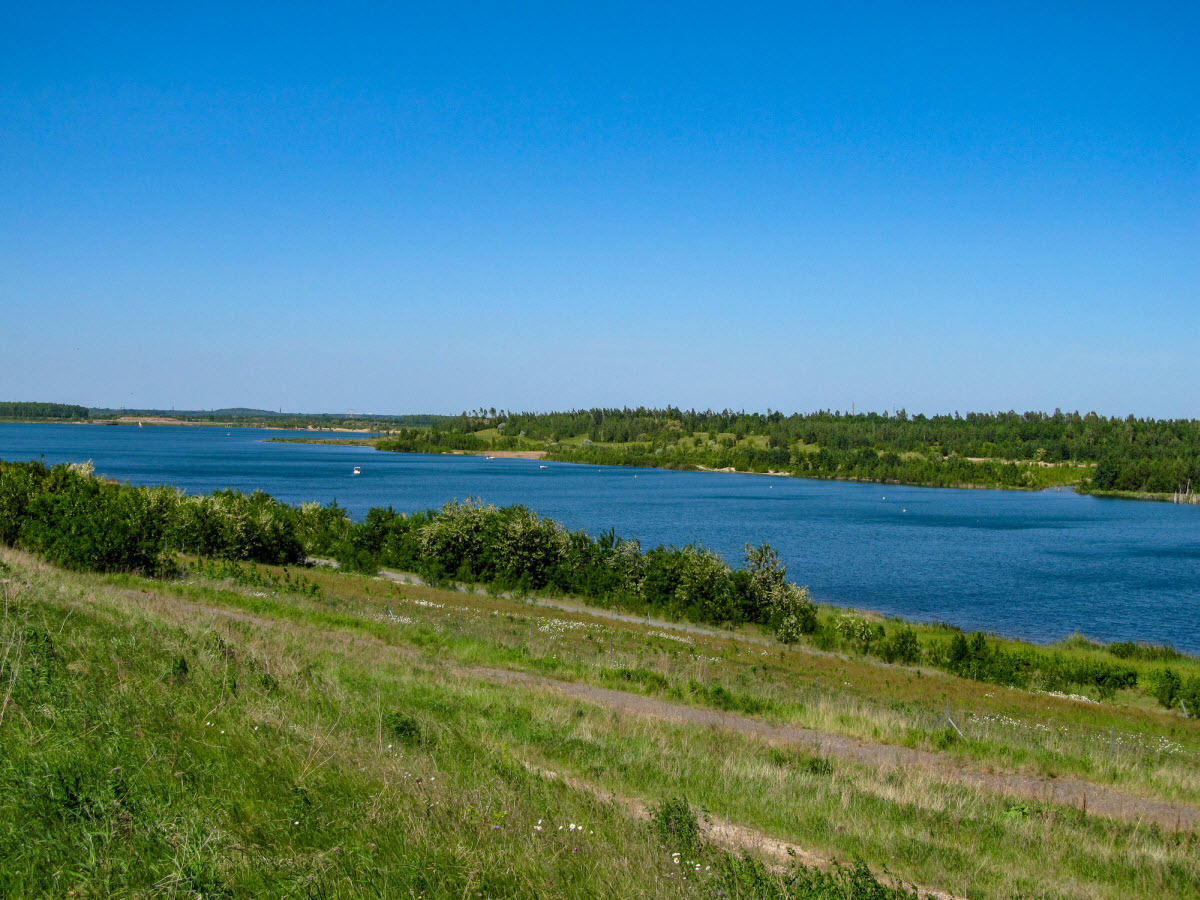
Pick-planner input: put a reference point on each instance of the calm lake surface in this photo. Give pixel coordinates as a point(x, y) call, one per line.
point(1032, 565)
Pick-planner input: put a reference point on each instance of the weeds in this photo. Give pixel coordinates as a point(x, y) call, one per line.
point(675, 824)
point(139, 774)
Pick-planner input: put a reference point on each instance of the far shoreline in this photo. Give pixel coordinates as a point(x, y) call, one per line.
point(728, 470)
point(155, 421)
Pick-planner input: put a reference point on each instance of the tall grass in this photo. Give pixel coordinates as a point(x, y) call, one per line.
point(202, 740)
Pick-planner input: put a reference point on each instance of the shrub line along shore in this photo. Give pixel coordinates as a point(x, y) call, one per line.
point(79, 521)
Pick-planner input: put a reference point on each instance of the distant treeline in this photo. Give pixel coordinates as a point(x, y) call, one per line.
point(80, 522)
point(1049, 437)
point(26, 412)
point(250, 418)
point(988, 449)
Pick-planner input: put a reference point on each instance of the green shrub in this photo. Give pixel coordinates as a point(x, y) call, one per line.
point(977, 658)
point(902, 646)
point(825, 637)
point(651, 680)
point(746, 877)
point(79, 522)
point(1164, 685)
point(1149, 652)
point(857, 632)
point(675, 824)
point(1189, 693)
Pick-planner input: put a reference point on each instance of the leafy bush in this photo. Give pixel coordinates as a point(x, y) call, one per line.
point(857, 632)
point(231, 525)
point(825, 637)
point(975, 657)
point(675, 824)
point(79, 522)
point(1164, 685)
point(1189, 693)
point(901, 646)
point(786, 609)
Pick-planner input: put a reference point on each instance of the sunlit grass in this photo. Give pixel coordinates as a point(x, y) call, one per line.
point(215, 737)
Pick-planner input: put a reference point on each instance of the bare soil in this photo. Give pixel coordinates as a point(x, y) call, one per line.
point(513, 454)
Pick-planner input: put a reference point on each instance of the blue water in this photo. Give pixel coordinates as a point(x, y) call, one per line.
point(1031, 565)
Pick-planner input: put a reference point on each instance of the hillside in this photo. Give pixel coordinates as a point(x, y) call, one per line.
point(247, 730)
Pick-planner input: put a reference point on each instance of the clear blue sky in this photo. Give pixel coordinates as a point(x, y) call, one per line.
point(432, 207)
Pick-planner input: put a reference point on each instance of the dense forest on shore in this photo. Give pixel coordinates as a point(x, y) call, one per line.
point(1009, 450)
point(23, 411)
point(81, 522)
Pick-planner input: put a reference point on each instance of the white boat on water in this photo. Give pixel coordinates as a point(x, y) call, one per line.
point(357, 471)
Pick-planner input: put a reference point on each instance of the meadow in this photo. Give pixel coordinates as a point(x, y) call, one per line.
point(245, 729)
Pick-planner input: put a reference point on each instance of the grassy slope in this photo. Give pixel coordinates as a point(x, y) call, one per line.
point(226, 739)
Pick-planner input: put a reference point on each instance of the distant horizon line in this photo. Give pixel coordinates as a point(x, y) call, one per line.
point(894, 412)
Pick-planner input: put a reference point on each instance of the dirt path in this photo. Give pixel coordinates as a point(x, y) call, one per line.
point(510, 454)
point(1095, 798)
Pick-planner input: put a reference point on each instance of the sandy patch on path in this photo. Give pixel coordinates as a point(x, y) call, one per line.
point(512, 454)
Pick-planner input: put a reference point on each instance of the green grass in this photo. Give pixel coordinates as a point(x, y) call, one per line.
point(193, 739)
point(1130, 743)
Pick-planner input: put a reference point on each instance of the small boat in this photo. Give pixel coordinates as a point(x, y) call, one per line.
point(543, 467)
point(357, 471)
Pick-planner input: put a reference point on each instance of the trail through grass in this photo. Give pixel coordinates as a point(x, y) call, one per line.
point(204, 740)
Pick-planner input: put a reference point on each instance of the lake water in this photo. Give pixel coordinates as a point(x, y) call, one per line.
point(1031, 565)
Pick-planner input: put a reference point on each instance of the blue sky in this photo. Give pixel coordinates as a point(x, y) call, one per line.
point(435, 207)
